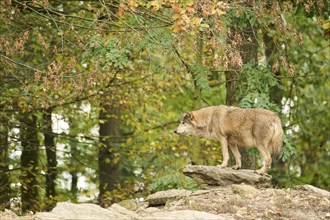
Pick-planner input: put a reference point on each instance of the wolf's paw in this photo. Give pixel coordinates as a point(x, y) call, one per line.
point(222, 166)
point(236, 167)
point(260, 172)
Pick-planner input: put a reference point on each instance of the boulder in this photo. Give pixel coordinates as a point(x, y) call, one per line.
point(216, 176)
point(66, 210)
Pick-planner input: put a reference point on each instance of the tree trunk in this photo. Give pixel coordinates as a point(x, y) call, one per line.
point(51, 161)
point(232, 78)
point(275, 94)
point(74, 165)
point(74, 186)
point(248, 51)
point(108, 150)
point(29, 164)
point(5, 190)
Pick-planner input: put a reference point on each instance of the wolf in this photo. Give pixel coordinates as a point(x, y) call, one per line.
point(233, 127)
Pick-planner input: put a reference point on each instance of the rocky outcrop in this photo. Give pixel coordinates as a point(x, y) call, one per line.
point(216, 176)
point(229, 194)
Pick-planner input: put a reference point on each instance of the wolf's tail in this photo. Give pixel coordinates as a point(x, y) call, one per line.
point(277, 139)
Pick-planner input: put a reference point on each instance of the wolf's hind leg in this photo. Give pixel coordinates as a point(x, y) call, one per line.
point(266, 158)
point(237, 157)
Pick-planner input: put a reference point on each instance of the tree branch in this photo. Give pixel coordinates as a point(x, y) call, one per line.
point(19, 63)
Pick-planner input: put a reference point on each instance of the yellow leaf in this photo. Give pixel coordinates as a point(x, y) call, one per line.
point(196, 21)
point(326, 25)
point(176, 28)
point(176, 16)
point(132, 4)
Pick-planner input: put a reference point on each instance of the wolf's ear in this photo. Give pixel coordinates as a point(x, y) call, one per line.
point(189, 116)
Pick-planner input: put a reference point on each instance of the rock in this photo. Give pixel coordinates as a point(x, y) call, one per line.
point(215, 176)
point(237, 196)
point(123, 213)
point(244, 189)
point(151, 210)
point(8, 214)
point(318, 191)
point(324, 204)
point(187, 215)
point(66, 210)
point(161, 197)
point(242, 211)
point(239, 216)
point(129, 204)
point(171, 205)
point(200, 192)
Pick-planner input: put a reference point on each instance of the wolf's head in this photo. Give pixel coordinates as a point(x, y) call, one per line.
point(187, 124)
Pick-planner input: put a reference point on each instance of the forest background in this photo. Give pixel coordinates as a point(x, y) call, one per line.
point(91, 91)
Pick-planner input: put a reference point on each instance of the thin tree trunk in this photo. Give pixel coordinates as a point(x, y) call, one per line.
point(74, 186)
point(74, 165)
point(108, 151)
point(276, 93)
point(248, 51)
point(232, 78)
point(51, 161)
point(5, 190)
point(29, 164)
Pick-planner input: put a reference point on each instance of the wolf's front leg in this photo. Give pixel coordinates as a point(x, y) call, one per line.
point(225, 154)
